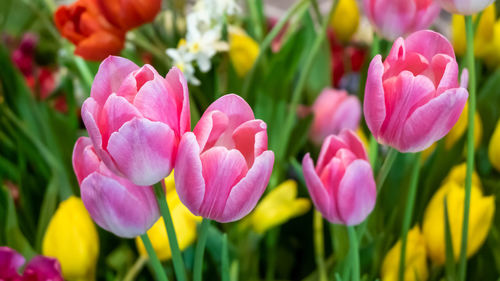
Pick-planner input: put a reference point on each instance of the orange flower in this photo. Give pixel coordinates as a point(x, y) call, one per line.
point(128, 14)
point(83, 24)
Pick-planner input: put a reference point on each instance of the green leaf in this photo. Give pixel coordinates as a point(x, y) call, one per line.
point(48, 208)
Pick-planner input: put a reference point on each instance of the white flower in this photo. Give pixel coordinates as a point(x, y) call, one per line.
point(182, 59)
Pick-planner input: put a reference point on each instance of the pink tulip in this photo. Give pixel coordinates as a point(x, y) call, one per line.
point(39, 268)
point(223, 166)
point(113, 202)
point(135, 119)
point(413, 98)
point(464, 7)
point(342, 185)
point(394, 18)
point(334, 111)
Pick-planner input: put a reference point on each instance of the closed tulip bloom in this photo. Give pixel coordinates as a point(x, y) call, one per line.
point(93, 36)
point(334, 111)
point(457, 175)
point(345, 19)
point(72, 238)
point(413, 98)
point(494, 148)
point(128, 14)
point(243, 51)
point(395, 18)
point(277, 207)
point(135, 119)
point(113, 202)
point(341, 186)
point(464, 7)
point(223, 166)
point(39, 268)
point(415, 259)
point(482, 209)
point(184, 224)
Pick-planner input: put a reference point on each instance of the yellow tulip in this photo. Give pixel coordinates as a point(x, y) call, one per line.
point(277, 207)
point(481, 213)
point(457, 175)
point(243, 50)
point(415, 259)
point(483, 35)
point(460, 129)
point(494, 148)
point(184, 224)
point(345, 20)
point(71, 237)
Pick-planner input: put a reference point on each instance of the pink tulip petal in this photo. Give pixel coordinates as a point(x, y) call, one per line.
point(222, 169)
point(464, 78)
point(209, 129)
point(347, 115)
point(10, 263)
point(116, 111)
point(189, 181)
point(328, 150)
point(354, 143)
point(143, 150)
point(109, 77)
point(246, 193)
point(178, 87)
point(394, 18)
point(428, 43)
point(433, 120)
point(43, 268)
point(374, 102)
point(426, 15)
point(250, 139)
point(357, 192)
point(135, 80)
point(85, 160)
point(119, 206)
point(445, 72)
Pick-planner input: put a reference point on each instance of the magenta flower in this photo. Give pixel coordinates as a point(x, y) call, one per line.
point(413, 98)
point(113, 202)
point(39, 268)
point(341, 186)
point(334, 111)
point(394, 18)
point(135, 119)
point(223, 166)
point(464, 7)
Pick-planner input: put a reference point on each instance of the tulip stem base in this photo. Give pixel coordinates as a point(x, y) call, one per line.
point(353, 254)
point(319, 245)
point(172, 237)
point(469, 55)
point(410, 202)
point(200, 249)
point(153, 258)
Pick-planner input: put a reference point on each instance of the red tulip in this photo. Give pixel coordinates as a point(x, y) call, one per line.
point(127, 14)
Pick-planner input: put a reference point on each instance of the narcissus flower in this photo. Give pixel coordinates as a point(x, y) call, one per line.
point(72, 238)
point(38, 268)
point(223, 166)
point(413, 98)
point(113, 202)
point(135, 119)
point(345, 19)
point(494, 148)
point(464, 7)
point(398, 18)
point(415, 259)
point(184, 224)
point(341, 186)
point(482, 209)
point(277, 207)
point(243, 50)
point(127, 14)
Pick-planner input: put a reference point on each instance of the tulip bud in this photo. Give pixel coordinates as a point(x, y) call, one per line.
point(481, 213)
point(184, 224)
point(341, 186)
point(494, 148)
point(464, 7)
point(415, 259)
point(345, 19)
point(277, 207)
point(243, 50)
point(71, 237)
point(461, 127)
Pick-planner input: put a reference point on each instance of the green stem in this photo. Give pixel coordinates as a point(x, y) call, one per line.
point(136, 268)
point(225, 259)
point(386, 167)
point(297, 93)
point(373, 152)
point(469, 32)
point(353, 254)
point(153, 258)
point(319, 245)
point(266, 43)
point(408, 214)
point(200, 249)
point(172, 238)
point(84, 70)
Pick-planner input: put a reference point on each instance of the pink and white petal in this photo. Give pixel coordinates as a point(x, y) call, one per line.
point(445, 72)
point(397, 53)
point(354, 143)
point(110, 76)
point(85, 160)
point(425, 17)
point(374, 102)
point(429, 43)
point(394, 18)
point(143, 150)
point(209, 129)
point(178, 88)
point(432, 121)
point(347, 115)
point(464, 78)
point(189, 181)
point(222, 170)
point(357, 193)
point(250, 138)
point(246, 193)
point(116, 111)
point(328, 150)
